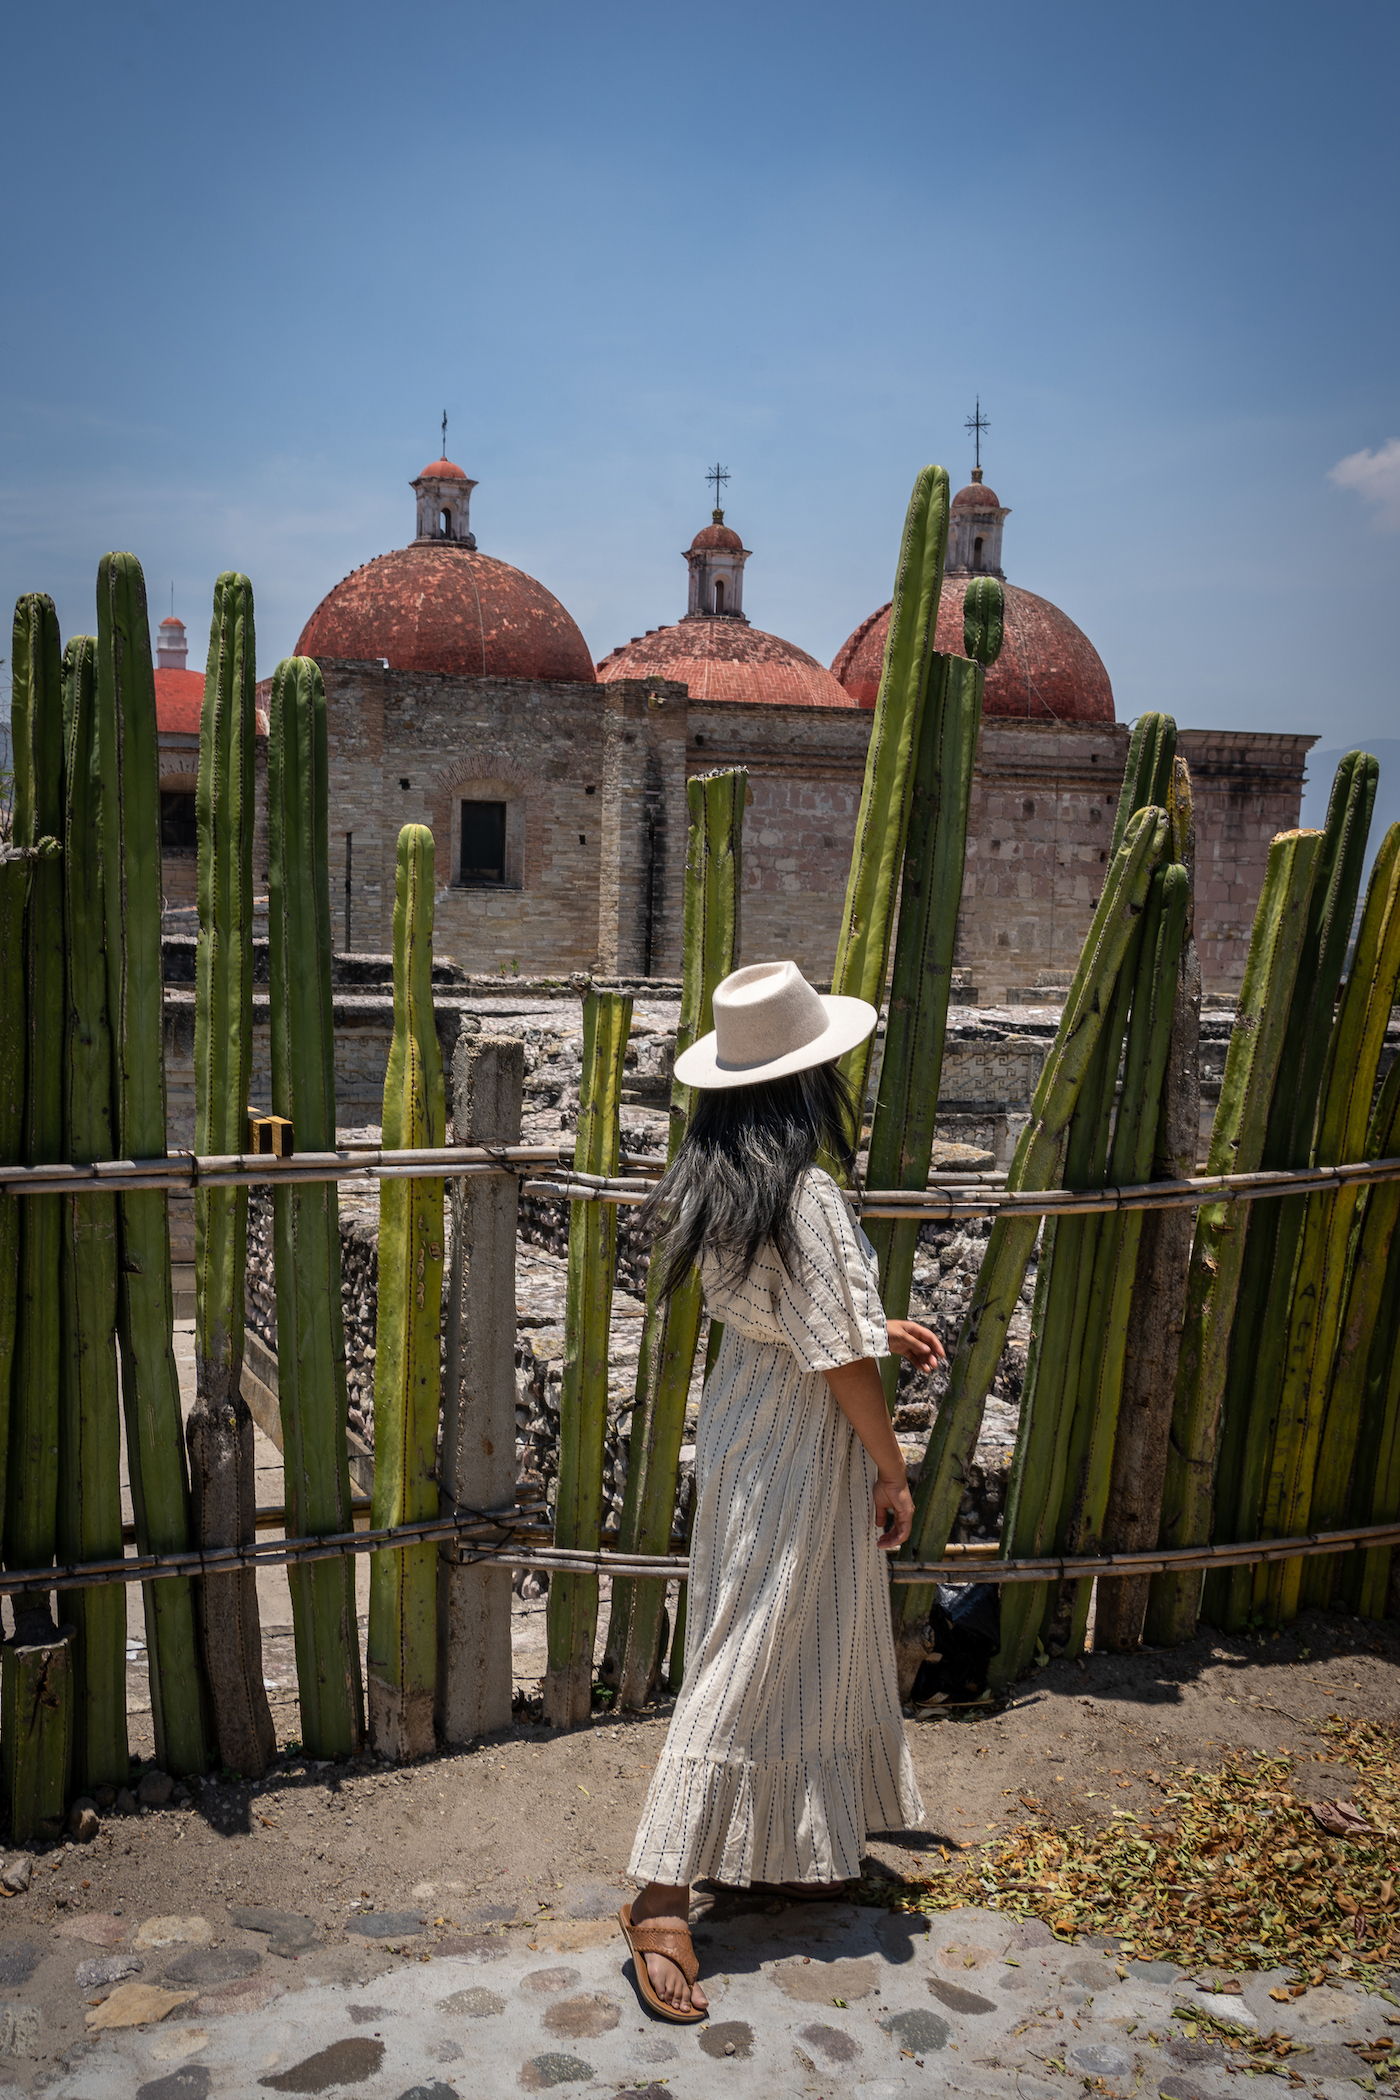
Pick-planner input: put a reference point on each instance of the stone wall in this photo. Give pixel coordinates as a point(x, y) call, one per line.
point(593, 779)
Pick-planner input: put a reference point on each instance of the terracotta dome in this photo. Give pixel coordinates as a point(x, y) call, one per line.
point(718, 535)
point(976, 496)
point(442, 470)
point(441, 606)
point(1048, 670)
point(726, 659)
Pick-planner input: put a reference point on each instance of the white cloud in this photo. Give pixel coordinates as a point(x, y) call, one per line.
point(1376, 476)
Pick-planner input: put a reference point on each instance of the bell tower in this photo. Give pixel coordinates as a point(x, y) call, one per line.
point(444, 495)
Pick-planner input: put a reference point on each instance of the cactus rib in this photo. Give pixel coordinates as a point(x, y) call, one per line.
point(311, 1386)
point(130, 839)
point(89, 1502)
point(583, 1402)
point(219, 1432)
point(402, 1649)
point(36, 1680)
point(862, 952)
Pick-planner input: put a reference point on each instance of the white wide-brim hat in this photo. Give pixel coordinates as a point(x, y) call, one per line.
point(768, 1022)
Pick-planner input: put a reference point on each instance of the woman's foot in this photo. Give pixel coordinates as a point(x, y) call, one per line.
point(657, 1901)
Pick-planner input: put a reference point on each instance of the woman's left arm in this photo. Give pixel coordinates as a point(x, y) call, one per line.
point(858, 1392)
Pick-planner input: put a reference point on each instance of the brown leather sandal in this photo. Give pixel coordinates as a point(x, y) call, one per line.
point(668, 1936)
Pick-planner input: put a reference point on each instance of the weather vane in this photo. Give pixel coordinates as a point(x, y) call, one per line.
point(444, 434)
point(977, 423)
point(718, 475)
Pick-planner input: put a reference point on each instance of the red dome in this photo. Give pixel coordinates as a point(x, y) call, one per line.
point(439, 606)
point(1048, 670)
point(976, 496)
point(173, 622)
point(725, 660)
point(718, 535)
point(442, 470)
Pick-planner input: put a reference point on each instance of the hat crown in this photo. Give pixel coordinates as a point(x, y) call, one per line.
point(764, 1012)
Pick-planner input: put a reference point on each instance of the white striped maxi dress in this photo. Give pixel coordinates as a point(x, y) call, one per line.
point(786, 1745)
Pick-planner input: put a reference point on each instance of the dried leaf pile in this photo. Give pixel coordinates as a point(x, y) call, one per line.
point(1242, 1875)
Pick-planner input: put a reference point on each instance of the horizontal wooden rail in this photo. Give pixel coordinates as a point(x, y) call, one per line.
point(471, 1533)
point(952, 1199)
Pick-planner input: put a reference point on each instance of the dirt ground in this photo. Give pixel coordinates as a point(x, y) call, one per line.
point(484, 1836)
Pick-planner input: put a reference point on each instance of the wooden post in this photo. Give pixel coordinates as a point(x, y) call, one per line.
point(477, 1467)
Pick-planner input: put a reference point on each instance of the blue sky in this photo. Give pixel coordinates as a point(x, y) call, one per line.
point(251, 257)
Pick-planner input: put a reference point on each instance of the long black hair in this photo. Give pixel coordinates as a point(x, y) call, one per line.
point(730, 1188)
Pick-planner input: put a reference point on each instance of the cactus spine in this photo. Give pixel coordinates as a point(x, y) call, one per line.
point(89, 1500)
point(1261, 1322)
point(130, 842)
point(1343, 1120)
point(713, 883)
point(901, 1136)
point(1217, 1256)
point(1038, 1159)
point(402, 1649)
point(583, 1402)
point(306, 1230)
point(36, 1695)
point(219, 1432)
point(862, 952)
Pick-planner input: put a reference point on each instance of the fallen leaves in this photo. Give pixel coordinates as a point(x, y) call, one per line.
point(1248, 1876)
point(1340, 1819)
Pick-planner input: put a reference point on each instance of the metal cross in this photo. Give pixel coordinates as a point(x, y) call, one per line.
point(977, 423)
point(443, 453)
point(718, 475)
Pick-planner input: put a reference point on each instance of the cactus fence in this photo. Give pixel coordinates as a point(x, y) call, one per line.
point(1273, 1490)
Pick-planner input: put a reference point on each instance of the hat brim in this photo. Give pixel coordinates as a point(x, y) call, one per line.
point(848, 1022)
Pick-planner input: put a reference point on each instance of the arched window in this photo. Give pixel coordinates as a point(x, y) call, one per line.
point(977, 554)
point(719, 594)
point(446, 522)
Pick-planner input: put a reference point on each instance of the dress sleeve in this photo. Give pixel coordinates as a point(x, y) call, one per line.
point(829, 1310)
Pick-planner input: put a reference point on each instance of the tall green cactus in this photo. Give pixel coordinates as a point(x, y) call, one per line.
point(130, 844)
point(1260, 1331)
point(220, 1427)
point(867, 919)
point(36, 1695)
point(402, 1648)
point(1217, 1255)
point(89, 1495)
point(906, 1107)
point(1037, 1162)
point(306, 1228)
point(1375, 1491)
point(713, 886)
point(14, 894)
point(1095, 1428)
point(583, 1402)
point(1319, 1277)
point(1340, 1444)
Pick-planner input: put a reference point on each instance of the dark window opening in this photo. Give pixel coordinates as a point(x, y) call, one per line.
point(483, 842)
point(447, 524)
point(590, 791)
point(977, 554)
point(179, 828)
point(403, 783)
point(582, 839)
point(719, 595)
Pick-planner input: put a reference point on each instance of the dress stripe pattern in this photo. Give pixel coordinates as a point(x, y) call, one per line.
point(786, 1746)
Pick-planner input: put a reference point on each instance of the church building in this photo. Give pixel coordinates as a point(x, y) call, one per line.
point(462, 695)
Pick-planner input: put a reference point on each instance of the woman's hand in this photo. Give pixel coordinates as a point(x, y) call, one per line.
point(919, 1344)
point(894, 1512)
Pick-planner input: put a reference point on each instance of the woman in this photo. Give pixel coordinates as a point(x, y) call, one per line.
point(786, 1745)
